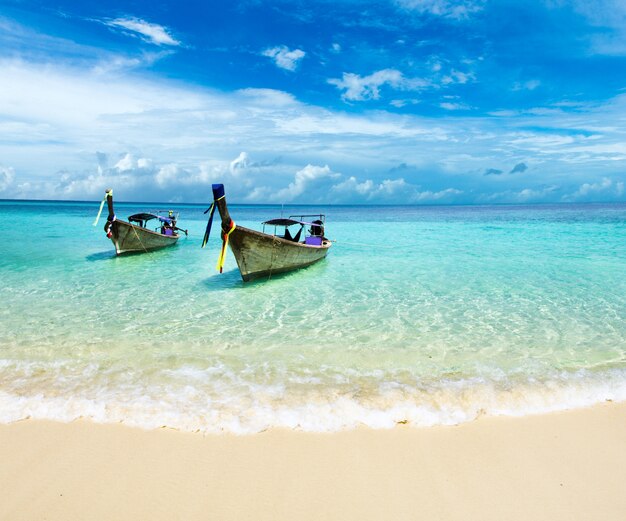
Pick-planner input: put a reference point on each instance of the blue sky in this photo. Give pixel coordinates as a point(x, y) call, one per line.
point(343, 101)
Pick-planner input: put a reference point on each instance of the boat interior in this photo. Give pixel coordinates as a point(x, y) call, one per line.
point(311, 225)
point(165, 221)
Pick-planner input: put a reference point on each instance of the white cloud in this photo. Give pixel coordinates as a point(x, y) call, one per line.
point(454, 106)
point(608, 17)
point(112, 64)
point(389, 190)
point(526, 85)
point(143, 162)
point(351, 185)
point(602, 187)
point(454, 9)
point(153, 33)
point(239, 164)
point(285, 58)
point(74, 97)
point(399, 103)
point(359, 88)
point(542, 143)
point(126, 163)
point(534, 194)
point(437, 196)
point(392, 186)
point(268, 98)
point(7, 174)
point(525, 195)
point(457, 77)
point(304, 180)
point(337, 124)
point(129, 129)
point(168, 175)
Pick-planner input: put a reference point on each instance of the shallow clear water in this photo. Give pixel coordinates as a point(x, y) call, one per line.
point(433, 315)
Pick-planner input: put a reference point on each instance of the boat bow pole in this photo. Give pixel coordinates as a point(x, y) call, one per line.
point(108, 198)
point(228, 225)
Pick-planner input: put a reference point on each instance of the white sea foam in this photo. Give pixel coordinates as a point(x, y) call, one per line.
point(235, 405)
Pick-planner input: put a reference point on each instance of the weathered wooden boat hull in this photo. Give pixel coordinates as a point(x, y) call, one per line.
point(129, 238)
point(261, 255)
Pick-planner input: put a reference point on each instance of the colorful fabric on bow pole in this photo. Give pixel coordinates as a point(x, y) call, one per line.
point(107, 193)
point(210, 211)
point(225, 236)
point(207, 232)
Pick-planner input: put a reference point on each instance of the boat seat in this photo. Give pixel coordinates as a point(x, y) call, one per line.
point(313, 241)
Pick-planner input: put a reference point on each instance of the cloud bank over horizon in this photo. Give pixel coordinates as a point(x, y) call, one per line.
point(103, 102)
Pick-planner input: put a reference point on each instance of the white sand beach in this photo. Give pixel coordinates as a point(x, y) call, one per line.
point(562, 466)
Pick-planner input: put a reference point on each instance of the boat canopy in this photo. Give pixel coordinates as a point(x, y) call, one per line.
point(290, 222)
point(282, 222)
point(145, 217)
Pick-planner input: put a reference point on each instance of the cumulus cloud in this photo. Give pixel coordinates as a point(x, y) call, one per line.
point(388, 191)
point(359, 88)
point(535, 194)
point(429, 195)
point(304, 180)
point(7, 174)
point(493, 171)
point(518, 168)
point(369, 191)
point(246, 180)
point(152, 33)
point(587, 188)
point(285, 58)
point(525, 195)
point(168, 175)
point(604, 187)
point(126, 163)
point(351, 185)
point(239, 164)
point(189, 137)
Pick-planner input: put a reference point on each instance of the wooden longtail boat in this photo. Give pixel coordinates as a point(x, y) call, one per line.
point(261, 254)
point(134, 236)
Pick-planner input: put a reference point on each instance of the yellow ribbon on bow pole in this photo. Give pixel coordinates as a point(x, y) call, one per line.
point(225, 236)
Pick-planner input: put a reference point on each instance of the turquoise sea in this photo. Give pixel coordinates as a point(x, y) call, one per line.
point(429, 315)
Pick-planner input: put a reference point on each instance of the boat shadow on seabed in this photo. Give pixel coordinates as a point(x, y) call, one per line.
point(231, 279)
point(112, 256)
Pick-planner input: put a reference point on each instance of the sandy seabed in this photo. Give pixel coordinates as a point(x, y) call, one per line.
point(561, 466)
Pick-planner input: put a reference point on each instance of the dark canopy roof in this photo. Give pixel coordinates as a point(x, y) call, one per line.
point(283, 222)
point(147, 217)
